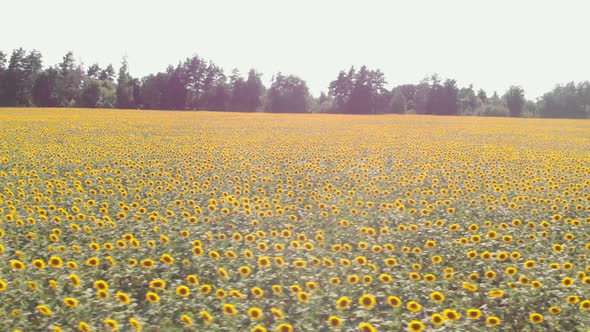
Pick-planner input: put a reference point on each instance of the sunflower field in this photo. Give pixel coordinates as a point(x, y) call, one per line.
point(197, 221)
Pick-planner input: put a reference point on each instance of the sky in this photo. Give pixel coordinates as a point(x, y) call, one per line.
point(490, 44)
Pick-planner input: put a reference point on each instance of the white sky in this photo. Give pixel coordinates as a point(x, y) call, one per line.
point(491, 44)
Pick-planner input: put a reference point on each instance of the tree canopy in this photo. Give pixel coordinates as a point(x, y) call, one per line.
point(199, 84)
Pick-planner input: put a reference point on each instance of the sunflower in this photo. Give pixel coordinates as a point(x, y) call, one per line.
point(300, 264)
point(197, 251)
point(222, 273)
point(394, 301)
point(39, 264)
point(2, 285)
point(536, 318)
point(473, 314)
point(258, 328)
point(192, 280)
point(167, 259)
point(437, 319)
point(278, 314)
point(530, 264)
point(386, 278)
point(17, 265)
point(367, 301)
point(437, 297)
point(101, 285)
point(493, 321)
point(123, 298)
point(413, 306)
point(490, 274)
point(567, 282)
point(353, 279)
point(367, 327)
point(311, 285)
point(264, 262)
point(285, 328)
point(451, 314)
point(205, 289)
point(557, 247)
point(257, 292)
point(415, 276)
point(502, 256)
point(554, 310)
point(255, 313)
point(343, 303)
point(186, 320)
point(277, 289)
point(511, 270)
point(43, 309)
point(152, 297)
point(220, 293)
point(93, 261)
point(112, 324)
point(183, 291)
point(416, 326)
point(496, 293)
point(429, 277)
point(472, 254)
point(206, 316)
point(391, 262)
point(148, 263)
point(84, 327)
point(71, 302)
point(335, 321)
point(360, 260)
point(55, 261)
point(74, 280)
point(229, 309)
point(585, 305)
point(303, 297)
point(245, 271)
point(102, 294)
point(158, 284)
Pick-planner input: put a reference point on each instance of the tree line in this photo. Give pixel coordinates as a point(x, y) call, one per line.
point(199, 84)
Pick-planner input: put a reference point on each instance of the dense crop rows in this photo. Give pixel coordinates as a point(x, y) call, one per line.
point(223, 222)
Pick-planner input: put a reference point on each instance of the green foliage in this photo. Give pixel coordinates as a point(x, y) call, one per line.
point(288, 94)
point(567, 101)
point(2, 79)
point(198, 84)
point(495, 110)
point(90, 93)
point(45, 92)
point(125, 87)
point(358, 92)
point(107, 74)
point(19, 78)
point(429, 97)
point(468, 101)
point(245, 94)
point(398, 103)
point(515, 100)
point(482, 95)
point(2, 60)
point(108, 94)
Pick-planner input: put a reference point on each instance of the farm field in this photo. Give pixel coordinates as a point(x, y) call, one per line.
point(199, 221)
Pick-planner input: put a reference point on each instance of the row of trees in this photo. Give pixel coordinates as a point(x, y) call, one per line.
point(198, 84)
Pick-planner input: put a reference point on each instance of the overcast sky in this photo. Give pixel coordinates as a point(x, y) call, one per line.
point(492, 44)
